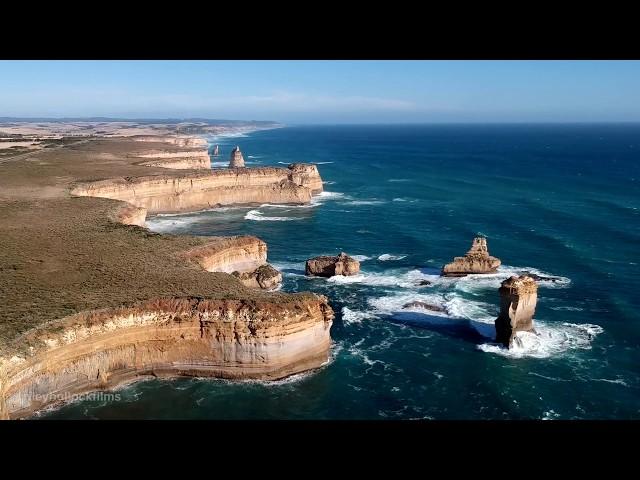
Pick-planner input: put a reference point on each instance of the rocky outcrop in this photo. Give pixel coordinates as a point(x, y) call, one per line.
point(326, 266)
point(307, 175)
point(182, 160)
point(236, 160)
point(233, 339)
point(518, 298)
point(424, 306)
point(476, 260)
point(265, 277)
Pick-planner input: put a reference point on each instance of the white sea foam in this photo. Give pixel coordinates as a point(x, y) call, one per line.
point(387, 256)
point(353, 316)
point(361, 258)
point(258, 216)
point(409, 279)
point(254, 156)
point(550, 339)
point(472, 283)
point(328, 182)
point(333, 195)
point(365, 202)
point(321, 163)
point(327, 196)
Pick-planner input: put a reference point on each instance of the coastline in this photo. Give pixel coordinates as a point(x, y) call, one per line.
point(43, 353)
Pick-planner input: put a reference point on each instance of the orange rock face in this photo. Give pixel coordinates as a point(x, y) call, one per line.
point(476, 260)
point(326, 266)
point(518, 298)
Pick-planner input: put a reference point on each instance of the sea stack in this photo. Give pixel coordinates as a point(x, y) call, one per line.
point(518, 298)
point(327, 266)
point(216, 151)
point(476, 260)
point(236, 160)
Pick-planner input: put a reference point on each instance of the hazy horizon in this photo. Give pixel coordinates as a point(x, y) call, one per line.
point(326, 92)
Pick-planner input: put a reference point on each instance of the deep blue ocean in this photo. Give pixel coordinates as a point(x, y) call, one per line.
point(558, 200)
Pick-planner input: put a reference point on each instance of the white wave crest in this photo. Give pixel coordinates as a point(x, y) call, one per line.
point(385, 257)
point(472, 283)
point(365, 202)
point(354, 316)
point(549, 339)
point(257, 216)
point(409, 279)
point(361, 258)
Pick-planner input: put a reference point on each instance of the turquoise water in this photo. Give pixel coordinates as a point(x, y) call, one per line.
point(562, 201)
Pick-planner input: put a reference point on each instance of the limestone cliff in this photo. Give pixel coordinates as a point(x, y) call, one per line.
point(327, 266)
point(229, 254)
point(243, 256)
point(165, 337)
point(476, 260)
point(199, 190)
point(308, 175)
point(518, 298)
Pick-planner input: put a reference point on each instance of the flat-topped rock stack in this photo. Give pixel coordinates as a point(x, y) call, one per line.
point(236, 160)
point(476, 260)
point(518, 298)
point(327, 266)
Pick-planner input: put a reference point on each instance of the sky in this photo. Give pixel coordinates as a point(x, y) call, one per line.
point(326, 92)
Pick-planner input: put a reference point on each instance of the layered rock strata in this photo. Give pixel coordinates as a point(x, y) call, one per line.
point(194, 191)
point(233, 339)
point(244, 256)
point(229, 254)
point(327, 266)
point(518, 298)
point(306, 174)
point(476, 260)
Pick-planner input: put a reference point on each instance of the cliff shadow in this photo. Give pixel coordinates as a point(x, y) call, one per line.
point(458, 328)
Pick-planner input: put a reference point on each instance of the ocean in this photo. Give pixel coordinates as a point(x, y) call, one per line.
point(562, 201)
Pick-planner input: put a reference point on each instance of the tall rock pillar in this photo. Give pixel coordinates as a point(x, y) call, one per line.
point(518, 298)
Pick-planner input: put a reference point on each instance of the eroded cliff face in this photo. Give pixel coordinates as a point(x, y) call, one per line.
point(306, 174)
point(518, 299)
point(326, 266)
point(476, 260)
point(230, 254)
point(232, 339)
point(193, 191)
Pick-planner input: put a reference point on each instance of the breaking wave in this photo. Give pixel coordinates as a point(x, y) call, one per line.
point(387, 256)
point(258, 216)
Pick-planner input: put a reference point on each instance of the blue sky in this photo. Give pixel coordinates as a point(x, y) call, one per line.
point(326, 91)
